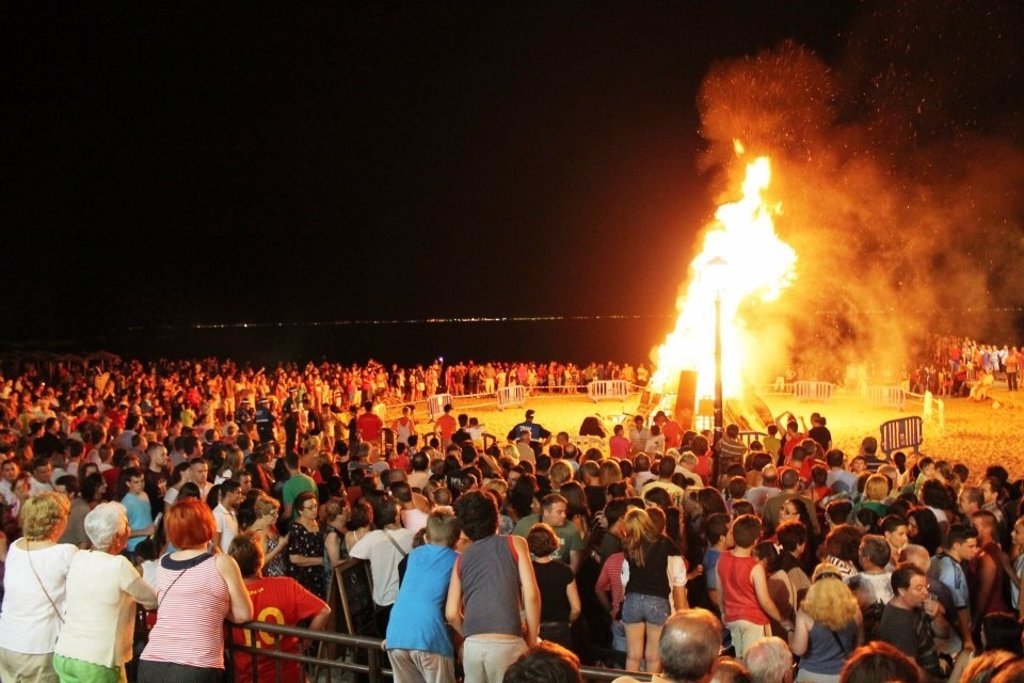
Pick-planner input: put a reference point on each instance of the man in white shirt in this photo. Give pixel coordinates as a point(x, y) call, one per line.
point(42, 472)
point(874, 583)
point(384, 548)
point(8, 478)
point(224, 514)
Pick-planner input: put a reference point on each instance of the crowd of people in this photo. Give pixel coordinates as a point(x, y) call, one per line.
point(203, 492)
point(959, 365)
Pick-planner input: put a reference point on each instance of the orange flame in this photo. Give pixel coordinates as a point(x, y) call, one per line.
point(742, 261)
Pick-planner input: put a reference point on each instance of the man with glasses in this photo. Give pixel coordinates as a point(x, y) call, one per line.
point(910, 617)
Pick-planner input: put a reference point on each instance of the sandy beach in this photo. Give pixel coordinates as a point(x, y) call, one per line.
point(975, 433)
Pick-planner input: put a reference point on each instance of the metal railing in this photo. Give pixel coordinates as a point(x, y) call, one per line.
point(375, 668)
point(323, 666)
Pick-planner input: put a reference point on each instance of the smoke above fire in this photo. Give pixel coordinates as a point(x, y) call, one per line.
point(899, 170)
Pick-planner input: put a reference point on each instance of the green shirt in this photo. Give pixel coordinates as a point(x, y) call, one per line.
point(296, 484)
point(568, 536)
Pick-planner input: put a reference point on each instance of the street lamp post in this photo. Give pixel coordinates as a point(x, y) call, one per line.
point(717, 266)
point(719, 408)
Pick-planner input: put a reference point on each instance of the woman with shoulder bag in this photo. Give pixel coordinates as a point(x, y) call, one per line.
point(196, 591)
point(34, 578)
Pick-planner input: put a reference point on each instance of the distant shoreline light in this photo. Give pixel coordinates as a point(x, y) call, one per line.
point(384, 321)
point(482, 319)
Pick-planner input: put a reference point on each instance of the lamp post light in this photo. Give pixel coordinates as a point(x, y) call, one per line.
point(716, 269)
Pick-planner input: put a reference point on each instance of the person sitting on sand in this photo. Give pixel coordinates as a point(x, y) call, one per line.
point(981, 389)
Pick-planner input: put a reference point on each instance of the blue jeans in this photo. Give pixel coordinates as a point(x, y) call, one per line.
point(652, 609)
point(618, 636)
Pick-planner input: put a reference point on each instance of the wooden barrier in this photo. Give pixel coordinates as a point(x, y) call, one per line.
point(813, 391)
point(514, 395)
point(616, 389)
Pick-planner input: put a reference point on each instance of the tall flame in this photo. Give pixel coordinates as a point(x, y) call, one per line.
point(742, 261)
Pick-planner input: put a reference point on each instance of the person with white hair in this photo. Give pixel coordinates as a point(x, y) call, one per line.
point(769, 661)
point(102, 589)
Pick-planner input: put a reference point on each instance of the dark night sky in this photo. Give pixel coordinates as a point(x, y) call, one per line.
point(180, 162)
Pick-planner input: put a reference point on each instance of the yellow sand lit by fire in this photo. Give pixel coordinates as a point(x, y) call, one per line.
point(976, 434)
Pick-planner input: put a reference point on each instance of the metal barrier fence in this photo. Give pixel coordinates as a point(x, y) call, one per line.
point(906, 432)
point(514, 395)
point(371, 661)
point(436, 404)
point(617, 389)
point(748, 437)
point(887, 395)
point(813, 391)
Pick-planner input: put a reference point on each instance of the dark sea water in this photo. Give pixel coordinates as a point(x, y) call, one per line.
point(621, 339)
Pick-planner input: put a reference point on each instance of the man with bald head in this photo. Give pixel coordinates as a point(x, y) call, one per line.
point(769, 660)
point(690, 642)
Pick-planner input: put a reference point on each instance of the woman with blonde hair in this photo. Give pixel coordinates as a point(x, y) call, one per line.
point(827, 627)
point(655, 580)
point(609, 472)
point(35, 576)
point(335, 552)
point(272, 542)
point(559, 473)
point(876, 490)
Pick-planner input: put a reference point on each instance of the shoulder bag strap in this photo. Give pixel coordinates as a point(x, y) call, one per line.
point(394, 542)
point(56, 611)
point(176, 578)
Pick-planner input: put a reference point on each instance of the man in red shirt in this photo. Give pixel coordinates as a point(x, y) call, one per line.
point(277, 600)
point(700, 448)
point(369, 424)
point(743, 588)
point(446, 426)
point(618, 445)
point(670, 429)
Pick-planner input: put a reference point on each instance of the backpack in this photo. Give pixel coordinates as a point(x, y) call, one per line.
point(872, 618)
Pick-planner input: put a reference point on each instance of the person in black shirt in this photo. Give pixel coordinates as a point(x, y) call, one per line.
point(909, 618)
point(559, 597)
point(819, 432)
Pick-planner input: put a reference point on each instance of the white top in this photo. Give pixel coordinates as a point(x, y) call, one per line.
point(876, 587)
point(419, 479)
point(384, 558)
point(100, 619)
point(170, 495)
point(227, 525)
point(28, 622)
point(150, 571)
point(414, 519)
point(35, 487)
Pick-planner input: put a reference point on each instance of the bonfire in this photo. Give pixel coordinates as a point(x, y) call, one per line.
point(742, 262)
